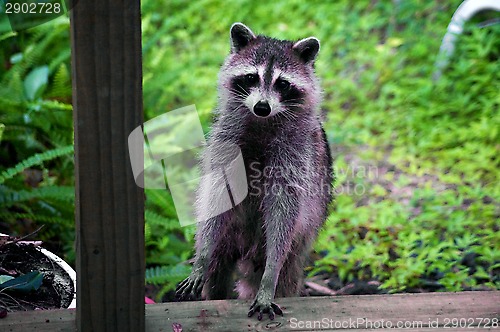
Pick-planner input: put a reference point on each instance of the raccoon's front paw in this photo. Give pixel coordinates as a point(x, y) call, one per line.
point(190, 288)
point(262, 305)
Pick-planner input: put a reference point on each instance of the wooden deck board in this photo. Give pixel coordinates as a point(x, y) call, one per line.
point(426, 312)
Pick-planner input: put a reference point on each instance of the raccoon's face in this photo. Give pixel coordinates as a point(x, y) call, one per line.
point(266, 77)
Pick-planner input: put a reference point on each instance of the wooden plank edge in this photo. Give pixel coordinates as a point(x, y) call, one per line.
point(355, 312)
point(470, 309)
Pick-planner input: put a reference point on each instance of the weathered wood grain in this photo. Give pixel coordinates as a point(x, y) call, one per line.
point(107, 102)
point(423, 312)
point(365, 311)
point(61, 320)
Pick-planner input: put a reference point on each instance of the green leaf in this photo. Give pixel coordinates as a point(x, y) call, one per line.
point(15, 58)
point(5, 278)
point(5, 28)
point(36, 82)
point(481, 273)
point(26, 283)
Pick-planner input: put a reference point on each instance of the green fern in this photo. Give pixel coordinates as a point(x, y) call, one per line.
point(35, 218)
point(147, 233)
point(160, 275)
point(12, 93)
point(154, 219)
point(161, 201)
point(61, 85)
point(42, 40)
point(64, 194)
point(7, 35)
point(37, 133)
point(37, 159)
point(189, 233)
point(40, 43)
point(166, 276)
point(54, 105)
point(61, 59)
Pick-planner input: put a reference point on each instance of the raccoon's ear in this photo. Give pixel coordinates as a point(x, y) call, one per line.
point(307, 49)
point(241, 35)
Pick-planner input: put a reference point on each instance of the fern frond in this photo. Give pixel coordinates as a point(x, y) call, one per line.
point(40, 31)
point(189, 233)
point(168, 224)
point(54, 105)
point(59, 139)
point(8, 35)
point(12, 92)
point(59, 61)
point(42, 39)
point(161, 200)
point(37, 159)
point(147, 233)
point(167, 274)
point(61, 85)
point(61, 193)
point(36, 218)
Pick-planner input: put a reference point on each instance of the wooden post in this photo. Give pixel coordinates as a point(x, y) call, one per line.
point(107, 101)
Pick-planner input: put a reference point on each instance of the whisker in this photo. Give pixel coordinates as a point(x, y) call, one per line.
point(242, 88)
point(294, 100)
point(237, 94)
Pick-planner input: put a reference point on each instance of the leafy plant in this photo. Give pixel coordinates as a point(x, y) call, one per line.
point(26, 283)
point(168, 245)
point(36, 179)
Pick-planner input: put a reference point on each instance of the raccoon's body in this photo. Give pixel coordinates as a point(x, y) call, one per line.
point(269, 102)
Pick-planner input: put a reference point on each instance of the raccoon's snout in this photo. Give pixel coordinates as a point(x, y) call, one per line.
point(262, 108)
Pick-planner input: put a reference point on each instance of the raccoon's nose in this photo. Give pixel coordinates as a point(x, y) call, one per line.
point(262, 108)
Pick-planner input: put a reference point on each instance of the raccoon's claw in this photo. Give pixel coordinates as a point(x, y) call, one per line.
point(190, 288)
point(271, 308)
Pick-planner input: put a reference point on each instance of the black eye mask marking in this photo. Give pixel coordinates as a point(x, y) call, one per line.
point(288, 92)
point(243, 83)
point(251, 79)
point(282, 85)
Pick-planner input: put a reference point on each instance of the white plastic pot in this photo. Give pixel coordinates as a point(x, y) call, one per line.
point(68, 269)
point(64, 266)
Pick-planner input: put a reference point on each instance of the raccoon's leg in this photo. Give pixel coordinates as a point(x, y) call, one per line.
point(207, 237)
point(292, 273)
point(281, 213)
point(220, 282)
point(251, 275)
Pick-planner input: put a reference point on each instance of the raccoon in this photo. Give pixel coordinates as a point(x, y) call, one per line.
point(268, 106)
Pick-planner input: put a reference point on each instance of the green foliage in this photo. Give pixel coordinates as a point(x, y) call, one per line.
point(167, 276)
point(37, 159)
point(431, 199)
point(36, 82)
point(36, 175)
point(65, 194)
point(168, 245)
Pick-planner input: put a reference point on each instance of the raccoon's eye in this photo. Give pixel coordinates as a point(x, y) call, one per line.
point(282, 85)
point(251, 78)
